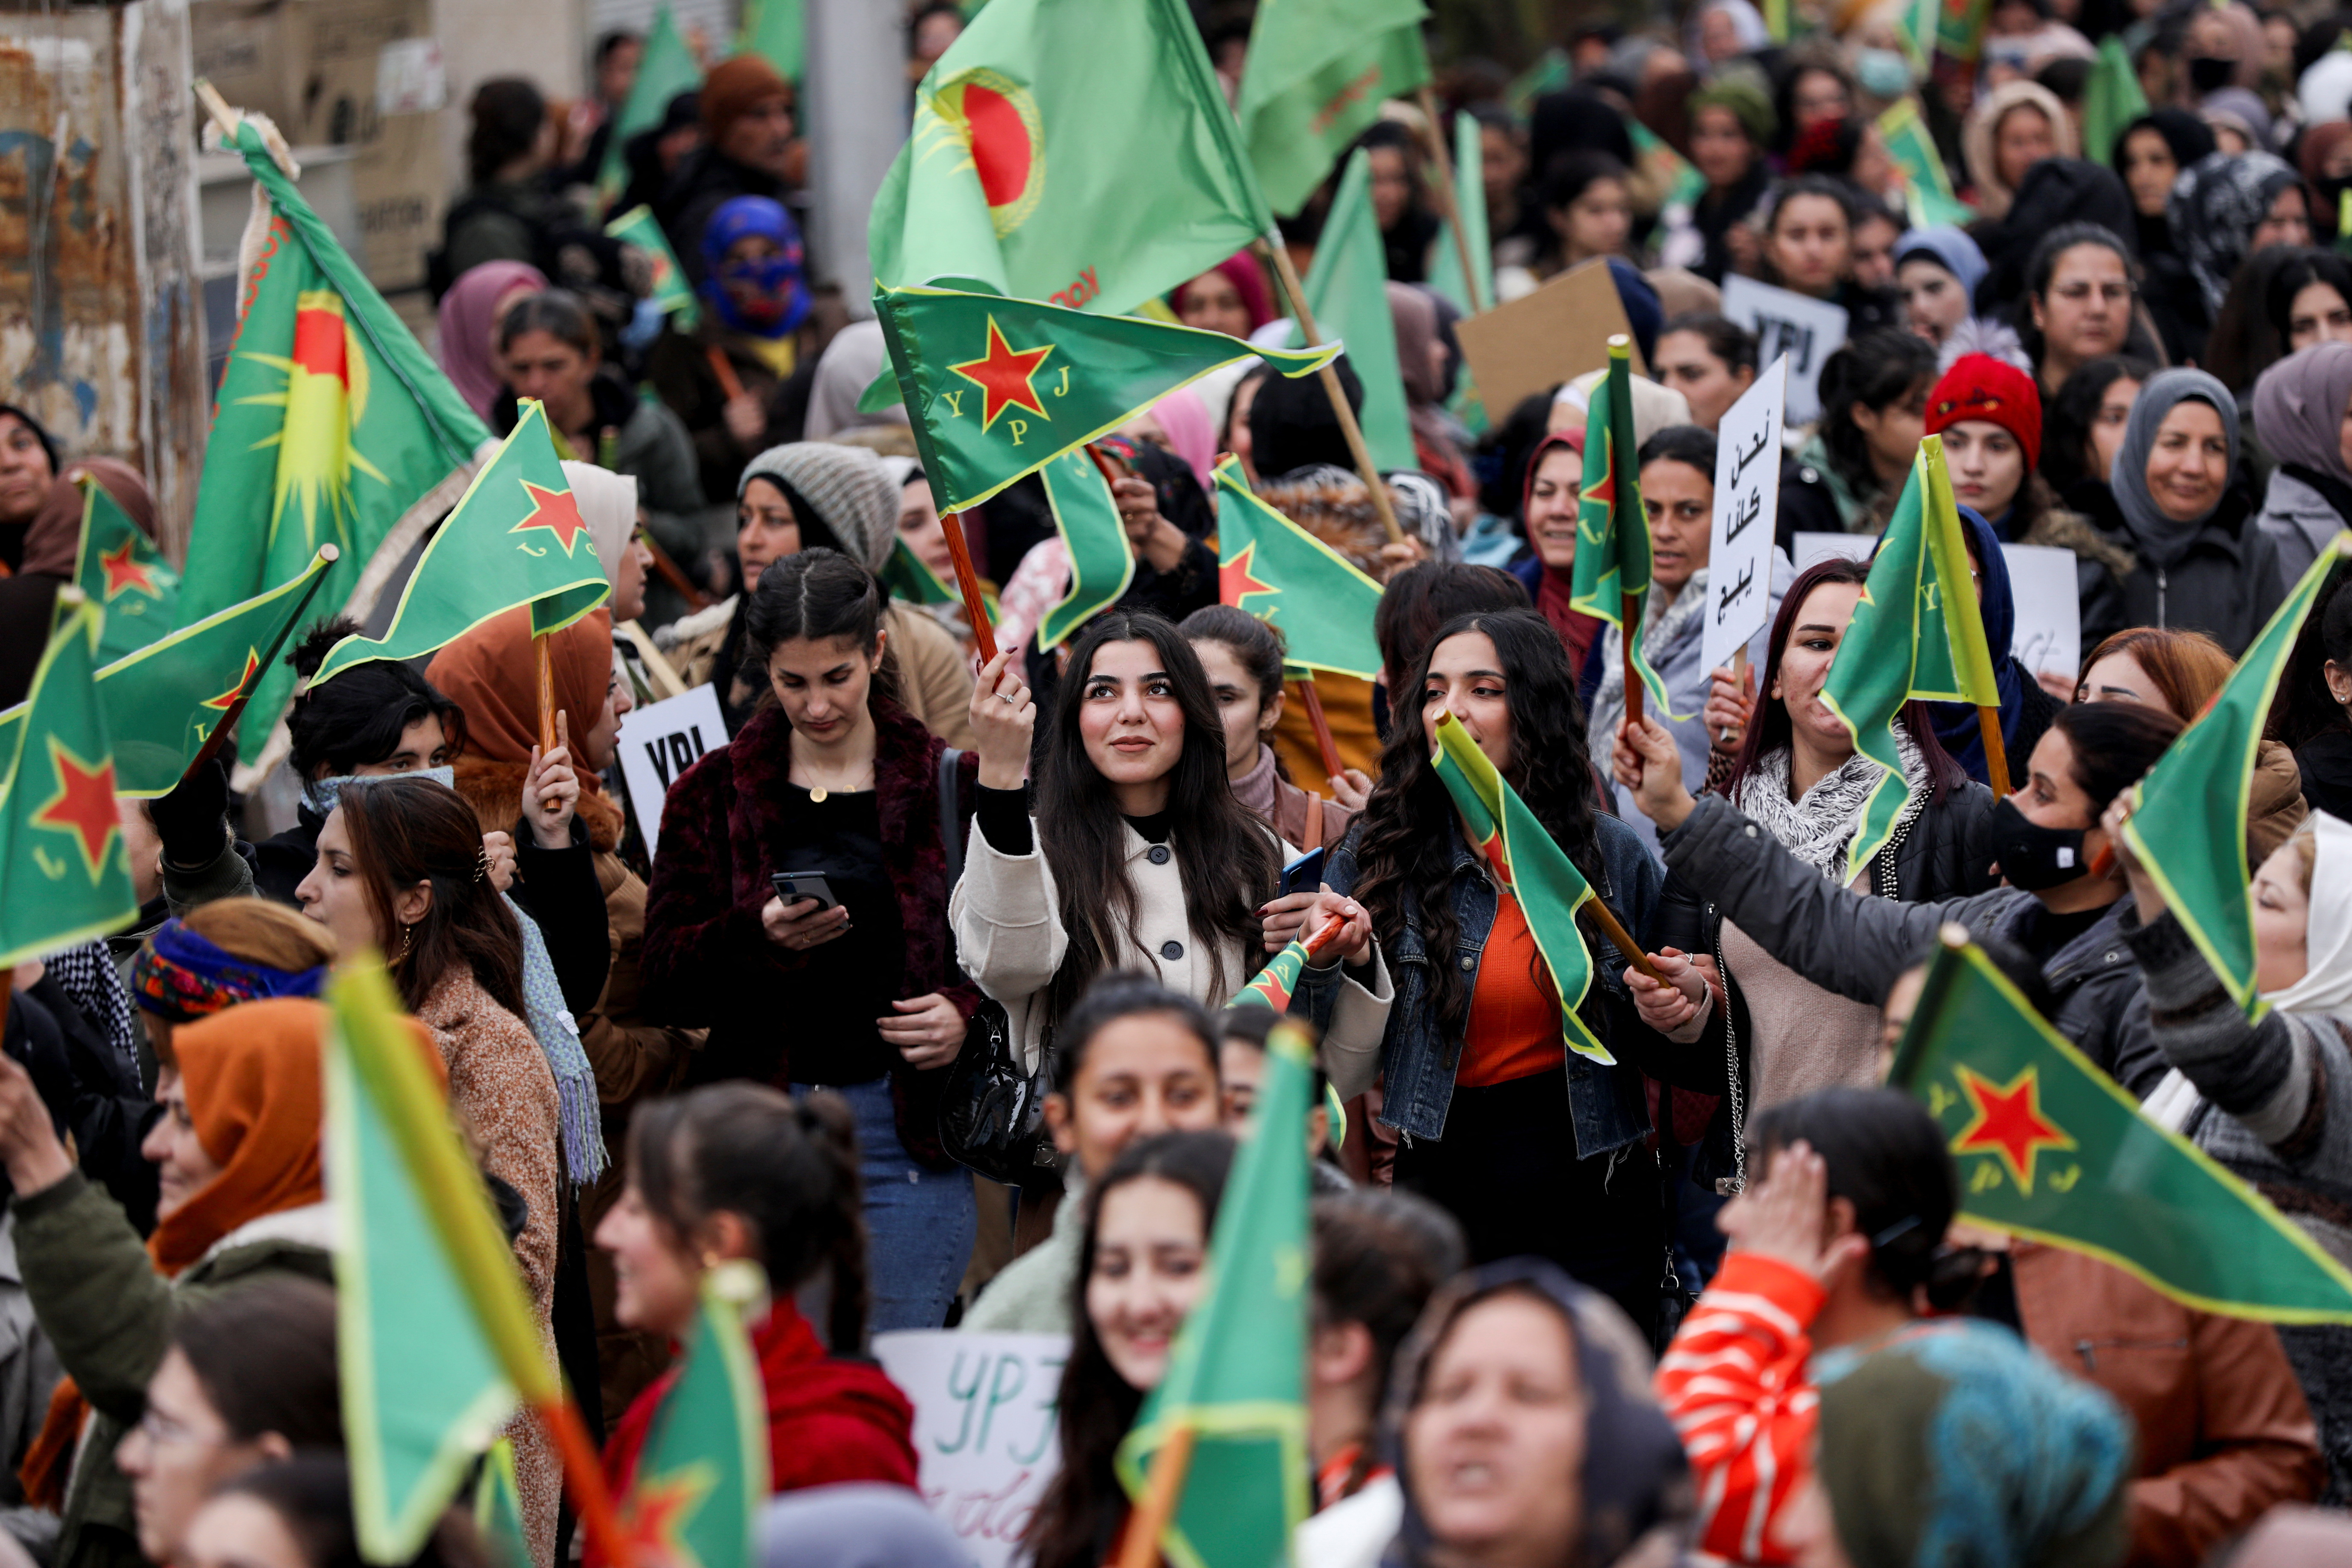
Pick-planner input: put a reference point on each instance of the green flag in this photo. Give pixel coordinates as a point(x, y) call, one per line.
point(1674, 173)
point(1294, 582)
point(1552, 73)
point(498, 1509)
point(664, 69)
point(1314, 78)
point(1102, 561)
point(65, 876)
point(638, 226)
point(1348, 293)
point(1237, 1376)
point(778, 30)
point(1916, 632)
point(1271, 988)
point(332, 425)
point(909, 577)
point(422, 1392)
point(2188, 822)
point(1960, 30)
point(166, 698)
point(2051, 1149)
point(1914, 150)
point(1533, 868)
point(1470, 205)
point(704, 1472)
point(1612, 538)
point(124, 575)
point(516, 537)
point(998, 388)
point(1076, 150)
point(2111, 99)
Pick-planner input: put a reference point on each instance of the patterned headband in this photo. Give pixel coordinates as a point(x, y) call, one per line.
point(180, 976)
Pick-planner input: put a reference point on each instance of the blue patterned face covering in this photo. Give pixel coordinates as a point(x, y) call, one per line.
point(319, 795)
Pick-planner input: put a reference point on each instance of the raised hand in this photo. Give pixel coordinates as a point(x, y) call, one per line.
point(1004, 718)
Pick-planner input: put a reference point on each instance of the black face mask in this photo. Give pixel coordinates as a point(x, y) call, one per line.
point(2207, 74)
point(2032, 856)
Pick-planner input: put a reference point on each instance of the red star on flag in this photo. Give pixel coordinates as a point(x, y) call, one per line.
point(1234, 580)
point(660, 1506)
point(1006, 376)
point(2008, 1122)
point(227, 700)
point(554, 510)
point(83, 806)
point(125, 572)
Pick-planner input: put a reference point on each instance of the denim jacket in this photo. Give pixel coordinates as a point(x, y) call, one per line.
point(1607, 1106)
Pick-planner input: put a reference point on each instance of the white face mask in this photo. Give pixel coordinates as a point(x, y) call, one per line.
point(1882, 73)
point(319, 795)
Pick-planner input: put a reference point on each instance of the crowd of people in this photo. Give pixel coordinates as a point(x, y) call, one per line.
point(1708, 1296)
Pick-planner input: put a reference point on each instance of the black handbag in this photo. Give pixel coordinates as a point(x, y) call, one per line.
point(992, 1108)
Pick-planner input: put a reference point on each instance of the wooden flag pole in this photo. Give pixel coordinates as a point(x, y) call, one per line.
point(583, 1472)
point(1295, 292)
point(1332, 766)
point(1738, 681)
point(1614, 930)
point(546, 694)
point(723, 368)
point(1631, 608)
point(975, 608)
point(1996, 753)
point(211, 748)
point(1447, 207)
point(1140, 1548)
point(674, 575)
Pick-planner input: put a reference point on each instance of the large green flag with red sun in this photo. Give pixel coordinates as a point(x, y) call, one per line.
point(2047, 1147)
point(1533, 868)
point(65, 877)
point(332, 425)
point(998, 388)
point(1076, 150)
point(516, 538)
point(124, 575)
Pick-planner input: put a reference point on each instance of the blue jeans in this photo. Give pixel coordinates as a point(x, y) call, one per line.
point(918, 1223)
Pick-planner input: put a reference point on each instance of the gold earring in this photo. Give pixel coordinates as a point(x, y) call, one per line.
point(407, 938)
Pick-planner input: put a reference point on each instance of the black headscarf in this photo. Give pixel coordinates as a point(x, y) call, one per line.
point(1571, 122)
point(1292, 425)
point(2190, 139)
point(1636, 1480)
point(2055, 191)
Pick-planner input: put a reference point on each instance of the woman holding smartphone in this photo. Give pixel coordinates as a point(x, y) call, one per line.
point(832, 788)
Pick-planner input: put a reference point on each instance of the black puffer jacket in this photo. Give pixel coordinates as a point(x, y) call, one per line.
point(1856, 945)
point(2225, 584)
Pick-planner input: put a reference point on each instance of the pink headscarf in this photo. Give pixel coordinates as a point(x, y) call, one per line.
point(1248, 279)
point(465, 327)
point(1190, 434)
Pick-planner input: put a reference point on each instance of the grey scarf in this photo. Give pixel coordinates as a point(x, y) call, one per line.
point(2159, 539)
point(549, 1019)
point(1819, 828)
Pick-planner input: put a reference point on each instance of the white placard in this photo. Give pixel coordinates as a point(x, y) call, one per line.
point(985, 1434)
point(410, 78)
point(2042, 584)
point(1747, 507)
point(1812, 547)
point(1808, 331)
point(661, 741)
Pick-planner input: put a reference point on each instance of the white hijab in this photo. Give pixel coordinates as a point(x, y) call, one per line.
point(2326, 984)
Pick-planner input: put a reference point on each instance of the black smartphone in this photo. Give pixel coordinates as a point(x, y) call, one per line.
point(1304, 875)
point(793, 886)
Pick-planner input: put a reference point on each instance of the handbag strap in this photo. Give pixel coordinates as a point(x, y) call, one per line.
point(951, 819)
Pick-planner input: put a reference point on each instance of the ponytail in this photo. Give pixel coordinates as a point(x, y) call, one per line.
point(788, 1168)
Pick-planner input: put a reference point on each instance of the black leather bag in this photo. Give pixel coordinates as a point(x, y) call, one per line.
point(992, 1108)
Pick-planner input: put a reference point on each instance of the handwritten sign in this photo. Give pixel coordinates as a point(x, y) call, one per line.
point(2042, 584)
point(985, 1433)
point(1747, 507)
point(1806, 330)
point(658, 742)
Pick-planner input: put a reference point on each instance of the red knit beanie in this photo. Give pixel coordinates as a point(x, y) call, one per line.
point(1980, 386)
point(733, 87)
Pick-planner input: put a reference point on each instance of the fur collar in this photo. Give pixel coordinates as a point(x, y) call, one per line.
point(495, 792)
point(1333, 505)
point(906, 762)
point(2070, 530)
point(711, 618)
point(312, 1225)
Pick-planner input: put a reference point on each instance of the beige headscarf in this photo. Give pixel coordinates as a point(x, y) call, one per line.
point(608, 505)
point(1984, 122)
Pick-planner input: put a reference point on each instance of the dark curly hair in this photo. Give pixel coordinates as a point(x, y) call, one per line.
point(1406, 849)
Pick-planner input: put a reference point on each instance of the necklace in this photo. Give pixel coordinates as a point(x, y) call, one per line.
point(820, 791)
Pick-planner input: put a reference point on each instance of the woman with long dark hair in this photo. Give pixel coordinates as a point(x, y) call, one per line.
point(1797, 776)
point(1153, 863)
point(739, 1170)
point(846, 980)
point(1534, 1147)
point(1141, 1269)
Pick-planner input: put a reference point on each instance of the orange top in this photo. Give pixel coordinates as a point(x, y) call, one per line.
point(1515, 1028)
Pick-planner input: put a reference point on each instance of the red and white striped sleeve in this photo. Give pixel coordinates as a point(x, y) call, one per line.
point(1734, 1382)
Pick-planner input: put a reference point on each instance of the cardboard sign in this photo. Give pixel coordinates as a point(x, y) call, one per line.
point(2042, 584)
point(658, 742)
point(1806, 330)
point(985, 1434)
point(1539, 340)
point(1812, 547)
point(1747, 507)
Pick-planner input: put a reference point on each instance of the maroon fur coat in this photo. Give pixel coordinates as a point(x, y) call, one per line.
point(708, 961)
